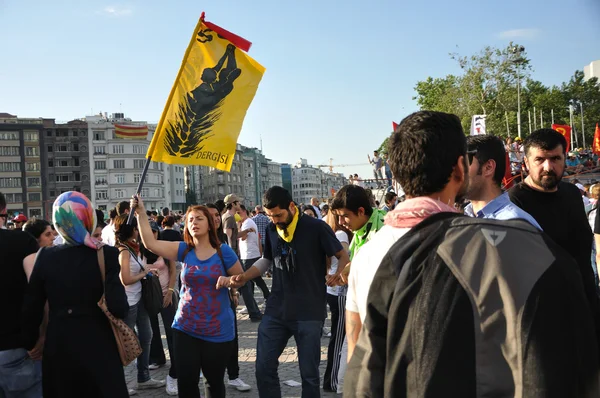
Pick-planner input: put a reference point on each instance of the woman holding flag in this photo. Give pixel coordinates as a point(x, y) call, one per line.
point(203, 329)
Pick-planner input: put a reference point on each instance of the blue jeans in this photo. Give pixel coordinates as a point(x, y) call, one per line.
point(273, 336)
point(20, 376)
point(248, 292)
point(138, 316)
point(388, 176)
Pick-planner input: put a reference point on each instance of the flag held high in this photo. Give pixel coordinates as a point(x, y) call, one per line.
point(204, 113)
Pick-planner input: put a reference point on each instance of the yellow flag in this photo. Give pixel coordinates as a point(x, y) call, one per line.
point(205, 110)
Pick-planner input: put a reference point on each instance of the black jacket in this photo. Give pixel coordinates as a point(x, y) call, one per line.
point(80, 353)
point(467, 307)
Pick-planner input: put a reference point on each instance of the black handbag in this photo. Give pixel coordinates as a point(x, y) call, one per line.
point(152, 296)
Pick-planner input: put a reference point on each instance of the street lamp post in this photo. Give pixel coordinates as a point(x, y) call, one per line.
point(582, 124)
point(517, 50)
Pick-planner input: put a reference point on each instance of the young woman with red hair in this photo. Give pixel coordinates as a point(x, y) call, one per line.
point(203, 329)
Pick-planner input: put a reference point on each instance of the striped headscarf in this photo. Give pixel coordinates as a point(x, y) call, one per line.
point(74, 219)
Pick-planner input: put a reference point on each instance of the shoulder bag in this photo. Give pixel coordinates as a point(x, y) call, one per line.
point(152, 295)
point(128, 344)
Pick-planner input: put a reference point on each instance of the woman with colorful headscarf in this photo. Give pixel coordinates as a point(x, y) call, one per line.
point(80, 357)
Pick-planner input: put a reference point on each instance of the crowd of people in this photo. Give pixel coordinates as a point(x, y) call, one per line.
point(457, 287)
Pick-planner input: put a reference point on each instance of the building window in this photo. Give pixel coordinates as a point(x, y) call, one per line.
point(62, 163)
point(77, 176)
point(48, 133)
point(62, 178)
point(50, 163)
point(32, 151)
point(35, 197)
point(99, 136)
point(138, 163)
point(138, 177)
point(31, 136)
point(145, 192)
point(139, 149)
point(119, 164)
point(9, 135)
point(10, 166)
point(102, 195)
point(99, 150)
point(52, 193)
point(75, 161)
point(35, 166)
point(34, 182)
point(35, 213)
point(101, 181)
point(120, 178)
point(9, 150)
point(100, 165)
point(119, 149)
point(119, 193)
point(75, 133)
point(62, 148)
point(76, 147)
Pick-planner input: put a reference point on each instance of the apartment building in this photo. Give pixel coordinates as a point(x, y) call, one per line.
point(21, 162)
point(67, 165)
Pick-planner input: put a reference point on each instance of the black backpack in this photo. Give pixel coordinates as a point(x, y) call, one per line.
point(469, 307)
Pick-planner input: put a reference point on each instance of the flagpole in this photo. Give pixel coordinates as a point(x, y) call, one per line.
point(507, 128)
point(552, 113)
point(582, 124)
point(541, 119)
point(534, 120)
point(571, 120)
point(529, 113)
point(140, 185)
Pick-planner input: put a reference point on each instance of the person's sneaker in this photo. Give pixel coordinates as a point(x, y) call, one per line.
point(172, 386)
point(243, 310)
point(131, 392)
point(151, 384)
point(154, 366)
point(239, 385)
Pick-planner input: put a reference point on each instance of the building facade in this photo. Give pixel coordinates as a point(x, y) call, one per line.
point(307, 182)
point(21, 163)
point(66, 151)
point(117, 165)
point(592, 70)
point(286, 176)
point(176, 187)
point(274, 175)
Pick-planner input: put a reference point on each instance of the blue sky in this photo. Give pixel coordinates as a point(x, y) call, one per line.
point(338, 72)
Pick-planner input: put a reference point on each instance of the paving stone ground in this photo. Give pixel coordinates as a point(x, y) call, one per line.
point(247, 336)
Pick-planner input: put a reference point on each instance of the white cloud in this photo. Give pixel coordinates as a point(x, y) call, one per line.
point(529, 33)
point(117, 11)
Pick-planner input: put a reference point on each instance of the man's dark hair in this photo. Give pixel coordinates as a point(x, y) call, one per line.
point(2, 201)
point(352, 197)
point(424, 150)
point(220, 205)
point(165, 211)
point(545, 139)
point(277, 196)
point(489, 147)
point(154, 213)
point(112, 213)
point(122, 206)
point(160, 219)
point(390, 196)
point(211, 206)
point(229, 206)
point(99, 216)
point(148, 213)
point(36, 227)
point(243, 208)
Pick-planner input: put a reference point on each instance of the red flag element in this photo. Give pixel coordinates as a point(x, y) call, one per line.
point(507, 181)
point(131, 132)
point(565, 130)
point(236, 40)
point(596, 143)
point(394, 126)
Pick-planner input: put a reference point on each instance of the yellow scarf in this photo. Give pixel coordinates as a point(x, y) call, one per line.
point(288, 233)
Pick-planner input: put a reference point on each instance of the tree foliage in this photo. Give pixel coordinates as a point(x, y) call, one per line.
point(488, 84)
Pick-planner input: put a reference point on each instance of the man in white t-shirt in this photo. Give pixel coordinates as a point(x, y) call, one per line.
point(250, 252)
point(428, 157)
point(108, 232)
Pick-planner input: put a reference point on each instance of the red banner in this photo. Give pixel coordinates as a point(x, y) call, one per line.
point(394, 126)
point(565, 130)
point(596, 143)
point(131, 132)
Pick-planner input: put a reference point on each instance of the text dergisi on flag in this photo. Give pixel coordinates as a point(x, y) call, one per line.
point(131, 131)
point(205, 110)
point(565, 130)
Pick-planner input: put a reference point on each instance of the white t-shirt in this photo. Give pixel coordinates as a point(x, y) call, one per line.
point(108, 235)
point(249, 248)
point(335, 290)
point(364, 266)
point(134, 292)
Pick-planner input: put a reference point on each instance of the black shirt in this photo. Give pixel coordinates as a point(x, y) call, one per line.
point(14, 246)
point(170, 235)
point(299, 269)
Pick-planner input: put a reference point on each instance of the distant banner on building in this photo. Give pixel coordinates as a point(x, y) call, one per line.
point(478, 125)
point(565, 130)
point(205, 110)
point(131, 132)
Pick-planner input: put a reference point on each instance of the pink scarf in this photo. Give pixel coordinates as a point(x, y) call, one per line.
point(412, 211)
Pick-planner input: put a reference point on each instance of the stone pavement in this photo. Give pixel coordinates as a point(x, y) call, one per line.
point(247, 335)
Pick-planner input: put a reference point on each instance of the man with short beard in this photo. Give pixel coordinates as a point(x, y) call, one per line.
point(556, 205)
point(487, 159)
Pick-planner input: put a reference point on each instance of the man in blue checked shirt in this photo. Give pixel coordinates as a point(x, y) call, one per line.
point(261, 222)
point(487, 158)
